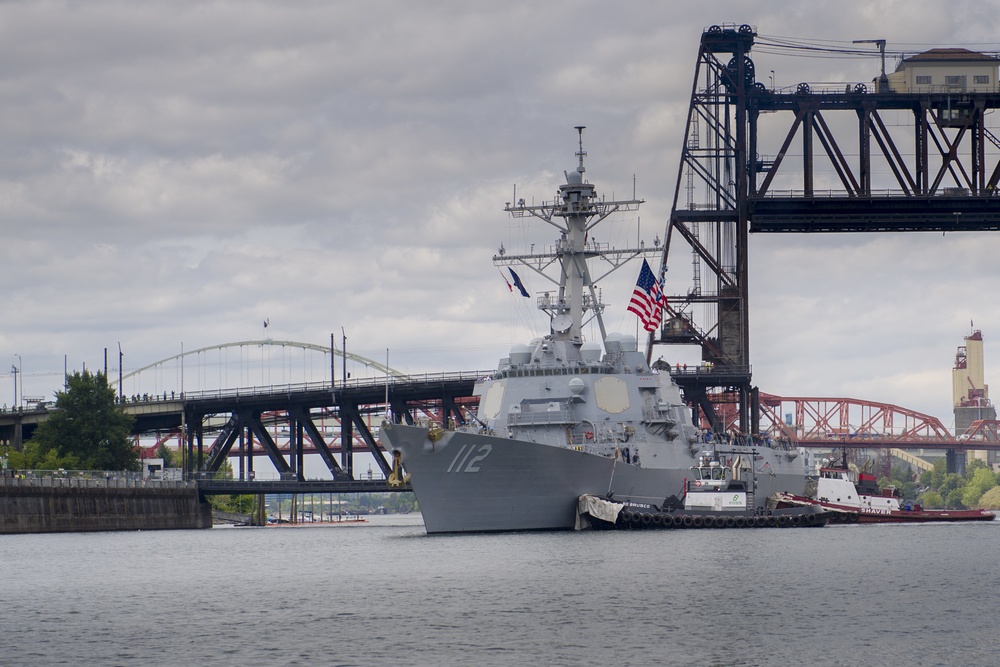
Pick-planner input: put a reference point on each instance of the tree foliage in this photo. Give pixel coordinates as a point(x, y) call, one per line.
point(33, 457)
point(981, 480)
point(991, 499)
point(168, 455)
point(932, 500)
point(975, 488)
point(953, 500)
point(87, 425)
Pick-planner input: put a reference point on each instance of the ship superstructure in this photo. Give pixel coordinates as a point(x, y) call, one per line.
point(563, 416)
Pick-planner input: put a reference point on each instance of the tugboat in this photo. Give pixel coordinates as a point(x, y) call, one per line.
point(711, 498)
point(564, 416)
point(853, 496)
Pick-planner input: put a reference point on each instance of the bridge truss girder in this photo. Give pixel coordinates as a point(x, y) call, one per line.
point(942, 171)
point(251, 418)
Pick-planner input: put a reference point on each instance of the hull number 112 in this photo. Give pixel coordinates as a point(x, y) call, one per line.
point(465, 462)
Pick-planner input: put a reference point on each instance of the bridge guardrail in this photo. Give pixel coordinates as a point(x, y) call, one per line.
point(304, 387)
point(92, 479)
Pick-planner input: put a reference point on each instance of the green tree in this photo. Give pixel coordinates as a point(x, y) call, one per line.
point(168, 455)
point(981, 480)
point(954, 499)
point(236, 503)
point(901, 474)
point(909, 490)
point(935, 477)
point(33, 457)
point(991, 499)
point(974, 465)
point(932, 500)
point(88, 425)
point(952, 482)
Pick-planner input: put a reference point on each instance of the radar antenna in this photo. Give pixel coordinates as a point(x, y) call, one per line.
point(581, 153)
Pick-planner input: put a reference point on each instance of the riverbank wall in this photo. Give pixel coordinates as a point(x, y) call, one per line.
point(53, 505)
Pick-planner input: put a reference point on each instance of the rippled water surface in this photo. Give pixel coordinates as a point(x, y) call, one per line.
point(386, 593)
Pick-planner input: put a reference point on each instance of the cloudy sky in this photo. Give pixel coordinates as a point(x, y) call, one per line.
point(174, 173)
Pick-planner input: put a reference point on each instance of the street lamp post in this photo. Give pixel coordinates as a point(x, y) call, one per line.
point(20, 369)
point(121, 357)
point(14, 372)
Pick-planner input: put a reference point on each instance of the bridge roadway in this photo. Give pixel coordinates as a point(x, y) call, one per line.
point(161, 413)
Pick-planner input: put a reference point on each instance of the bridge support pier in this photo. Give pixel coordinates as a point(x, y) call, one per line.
point(955, 461)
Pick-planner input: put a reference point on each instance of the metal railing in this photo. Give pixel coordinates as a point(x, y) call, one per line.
point(352, 383)
point(90, 479)
point(874, 194)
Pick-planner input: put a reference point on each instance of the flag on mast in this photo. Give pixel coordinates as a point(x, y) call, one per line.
point(647, 299)
point(517, 282)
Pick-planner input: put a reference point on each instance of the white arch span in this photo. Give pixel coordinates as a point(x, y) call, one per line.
point(275, 343)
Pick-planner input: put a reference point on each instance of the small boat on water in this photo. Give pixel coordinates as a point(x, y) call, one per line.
point(712, 497)
point(853, 496)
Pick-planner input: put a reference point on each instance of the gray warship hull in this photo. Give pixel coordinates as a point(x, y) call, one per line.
point(472, 482)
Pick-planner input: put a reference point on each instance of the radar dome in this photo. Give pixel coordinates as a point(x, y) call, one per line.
point(574, 178)
point(629, 343)
point(576, 386)
point(590, 352)
point(520, 353)
point(613, 343)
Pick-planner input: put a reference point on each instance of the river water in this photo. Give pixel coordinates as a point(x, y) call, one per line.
point(385, 593)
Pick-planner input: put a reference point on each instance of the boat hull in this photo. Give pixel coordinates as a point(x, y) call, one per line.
point(472, 482)
point(851, 514)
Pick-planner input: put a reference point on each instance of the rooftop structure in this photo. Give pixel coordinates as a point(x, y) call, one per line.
point(945, 70)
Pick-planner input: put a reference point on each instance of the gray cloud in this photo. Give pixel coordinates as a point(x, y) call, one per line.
point(180, 171)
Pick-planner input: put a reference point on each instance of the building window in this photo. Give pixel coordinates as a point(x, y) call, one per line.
point(953, 80)
point(981, 79)
point(923, 80)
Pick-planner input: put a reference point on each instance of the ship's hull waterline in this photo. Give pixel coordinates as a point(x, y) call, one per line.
point(472, 482)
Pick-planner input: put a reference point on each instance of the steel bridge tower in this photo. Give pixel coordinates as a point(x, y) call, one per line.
point(942, 171)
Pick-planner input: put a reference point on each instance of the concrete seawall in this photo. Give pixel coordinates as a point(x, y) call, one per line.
point(42, 508)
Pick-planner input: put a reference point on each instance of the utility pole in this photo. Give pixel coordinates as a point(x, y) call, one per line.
point(343, 355)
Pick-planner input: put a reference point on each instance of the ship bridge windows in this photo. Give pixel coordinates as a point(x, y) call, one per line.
point(558, 370)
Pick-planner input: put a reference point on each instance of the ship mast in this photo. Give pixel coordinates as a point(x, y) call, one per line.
point(574, 214)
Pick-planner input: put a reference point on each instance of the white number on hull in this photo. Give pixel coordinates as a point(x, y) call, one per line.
point(473, 464)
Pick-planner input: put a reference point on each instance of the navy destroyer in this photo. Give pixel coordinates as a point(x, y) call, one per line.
point(562, 416)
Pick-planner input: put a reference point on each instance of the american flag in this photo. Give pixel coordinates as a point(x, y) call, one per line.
point(647, 299)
